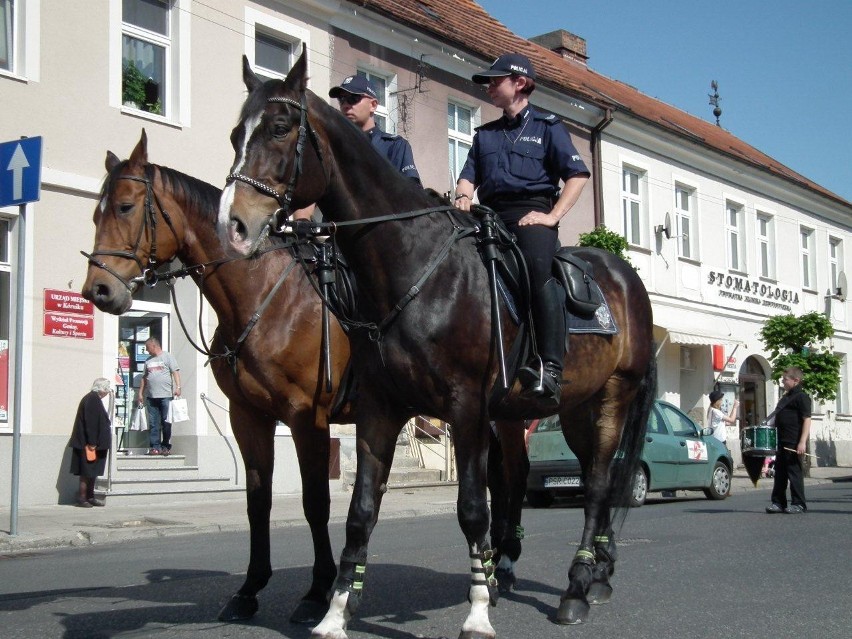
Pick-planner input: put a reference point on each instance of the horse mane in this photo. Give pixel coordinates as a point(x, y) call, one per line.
point(204, 197)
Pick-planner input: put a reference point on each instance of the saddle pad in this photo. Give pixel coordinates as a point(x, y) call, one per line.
point(601, 322)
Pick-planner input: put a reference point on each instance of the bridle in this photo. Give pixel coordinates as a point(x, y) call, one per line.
point(285, 200)
point(147, 271)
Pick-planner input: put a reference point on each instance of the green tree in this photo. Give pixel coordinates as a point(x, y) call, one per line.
point(804, 342)
point(601, 237)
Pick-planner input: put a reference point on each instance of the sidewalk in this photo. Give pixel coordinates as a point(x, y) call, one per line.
point(44, 527)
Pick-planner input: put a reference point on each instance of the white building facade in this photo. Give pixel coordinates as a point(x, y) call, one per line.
point(65, 76)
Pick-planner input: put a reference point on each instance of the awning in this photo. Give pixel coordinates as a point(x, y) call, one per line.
point(703, 339)
point(695, 329)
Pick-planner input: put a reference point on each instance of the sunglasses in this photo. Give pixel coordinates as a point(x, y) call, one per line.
point(351, 99)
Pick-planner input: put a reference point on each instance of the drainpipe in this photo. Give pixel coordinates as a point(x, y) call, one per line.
point(597, 166)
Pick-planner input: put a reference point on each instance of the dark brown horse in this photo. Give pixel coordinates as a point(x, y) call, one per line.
point(148, 211)
point(425, 341)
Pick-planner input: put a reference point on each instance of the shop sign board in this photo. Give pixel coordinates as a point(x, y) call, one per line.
point(67, 302)
point(68, 314)
point(65, 325)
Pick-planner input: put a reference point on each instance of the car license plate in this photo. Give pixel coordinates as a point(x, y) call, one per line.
point(562, 482)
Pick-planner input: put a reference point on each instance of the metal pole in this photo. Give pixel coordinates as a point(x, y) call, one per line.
point(19, 364)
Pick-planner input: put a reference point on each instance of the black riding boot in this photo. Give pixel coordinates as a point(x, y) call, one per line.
point(542, 376)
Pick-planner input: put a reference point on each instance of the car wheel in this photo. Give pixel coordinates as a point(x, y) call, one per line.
point(720, 483)
point(640, 489)
point(539, 498)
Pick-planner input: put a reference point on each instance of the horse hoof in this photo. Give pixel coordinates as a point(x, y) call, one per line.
point(505, 580)
point(475, 634)
point(572, 611)
point(599, 593)
point(239, 608)
point(309, 612)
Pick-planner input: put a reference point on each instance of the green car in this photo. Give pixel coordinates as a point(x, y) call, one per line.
point(678, 455)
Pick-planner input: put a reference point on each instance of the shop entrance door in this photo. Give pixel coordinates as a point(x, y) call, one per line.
point(752, 393)
point(134, 328)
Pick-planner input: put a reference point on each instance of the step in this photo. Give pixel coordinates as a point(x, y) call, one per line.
point(176, 486)
point(407, 477)
point(158, 495)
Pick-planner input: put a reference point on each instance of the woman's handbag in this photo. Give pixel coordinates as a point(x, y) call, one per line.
point(178, 411)
point(139, 421)
point(91, 454)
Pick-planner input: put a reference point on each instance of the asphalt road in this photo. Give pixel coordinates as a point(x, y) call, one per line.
point(688, 568)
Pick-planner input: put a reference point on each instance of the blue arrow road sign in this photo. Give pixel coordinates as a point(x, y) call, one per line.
point(20, 171)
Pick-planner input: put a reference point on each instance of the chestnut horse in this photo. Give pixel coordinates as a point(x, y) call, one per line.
point(425, 341)
point(151, 214)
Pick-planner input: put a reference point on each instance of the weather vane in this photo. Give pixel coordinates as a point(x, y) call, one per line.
point(714, 100)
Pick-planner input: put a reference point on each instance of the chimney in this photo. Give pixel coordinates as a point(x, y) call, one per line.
point(568, 45)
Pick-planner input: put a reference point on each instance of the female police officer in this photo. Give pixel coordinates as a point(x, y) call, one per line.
point(516, 164)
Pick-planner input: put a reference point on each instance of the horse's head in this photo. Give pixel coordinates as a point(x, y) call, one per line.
point(130, 238)
point(278, 164)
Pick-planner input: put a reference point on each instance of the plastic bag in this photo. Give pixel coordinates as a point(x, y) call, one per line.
point(178, 411)
point(139, 420)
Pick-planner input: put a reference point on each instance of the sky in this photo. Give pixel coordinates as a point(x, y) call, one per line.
point(782, 66)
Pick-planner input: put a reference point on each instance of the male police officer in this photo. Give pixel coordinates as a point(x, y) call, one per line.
point(358, 102)
point(516, 164)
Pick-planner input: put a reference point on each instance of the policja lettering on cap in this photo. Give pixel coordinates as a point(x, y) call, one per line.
point(355, 84)
point(507, 64)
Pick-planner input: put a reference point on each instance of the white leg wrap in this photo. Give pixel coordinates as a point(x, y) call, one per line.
point(333, 625)
point(477, 620)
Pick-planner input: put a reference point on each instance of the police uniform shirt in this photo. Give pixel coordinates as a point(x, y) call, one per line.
point(397, 150)
point(523, 156)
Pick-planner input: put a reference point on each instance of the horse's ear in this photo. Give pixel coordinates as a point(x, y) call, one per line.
point(111, 161)
point(297, 79)
point(140, 153)
point(249, 78)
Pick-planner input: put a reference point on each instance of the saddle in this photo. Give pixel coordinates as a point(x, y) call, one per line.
point(583, 296)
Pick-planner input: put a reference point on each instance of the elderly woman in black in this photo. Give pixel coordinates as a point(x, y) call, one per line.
point(90, 442)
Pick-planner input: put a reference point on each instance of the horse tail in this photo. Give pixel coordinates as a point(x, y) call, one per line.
point(632, 442)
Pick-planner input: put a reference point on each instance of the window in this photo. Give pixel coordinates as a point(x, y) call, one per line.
point(382, 114)
point(835, 262)
point(7, 35)
point(806, 248)
point(765, 234)
point(271, 44)
point(460, 134)
point(5, 313)
point(684, 218)
point(633, 188)
point(273, 57)
point(735, 236)
point(146, 51)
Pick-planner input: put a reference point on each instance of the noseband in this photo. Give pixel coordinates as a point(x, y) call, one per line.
point(277, 219)
point(147, 272)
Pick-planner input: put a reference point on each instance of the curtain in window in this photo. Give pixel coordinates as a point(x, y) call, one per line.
point(6, 40)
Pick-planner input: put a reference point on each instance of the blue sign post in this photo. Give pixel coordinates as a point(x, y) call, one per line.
point(20, 171)
point(20, 183)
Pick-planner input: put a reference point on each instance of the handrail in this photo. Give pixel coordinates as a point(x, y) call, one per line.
point(206, 400)
point(416, 432)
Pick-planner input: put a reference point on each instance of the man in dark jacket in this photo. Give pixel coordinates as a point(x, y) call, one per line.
point(793, 424)
point(92, 434)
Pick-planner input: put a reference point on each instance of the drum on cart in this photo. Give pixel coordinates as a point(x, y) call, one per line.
point(759, 441)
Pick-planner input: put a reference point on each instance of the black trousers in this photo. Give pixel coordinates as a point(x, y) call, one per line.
point(788, 468)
